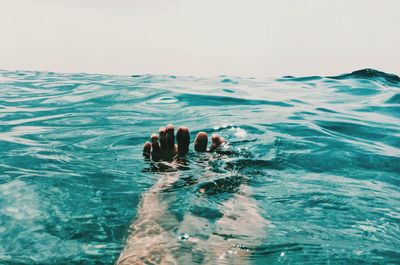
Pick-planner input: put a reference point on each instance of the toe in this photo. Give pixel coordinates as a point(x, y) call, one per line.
point(147, 149)
point(170, 137)
point(155, 152)
point(183, 139)
point(215, 138)
point(163, 138)
point(216, 141)
point(200, 143)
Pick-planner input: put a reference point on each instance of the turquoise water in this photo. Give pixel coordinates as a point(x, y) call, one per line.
point(313, 176)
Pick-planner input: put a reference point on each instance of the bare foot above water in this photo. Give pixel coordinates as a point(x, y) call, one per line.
point(163, 147)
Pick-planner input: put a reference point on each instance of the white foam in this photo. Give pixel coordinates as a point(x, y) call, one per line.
point(239, 132)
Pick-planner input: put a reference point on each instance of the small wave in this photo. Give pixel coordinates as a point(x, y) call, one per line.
point(212, 100)
point(370, 74)
point(395, 99)
point(300, 79)
point(229, 80)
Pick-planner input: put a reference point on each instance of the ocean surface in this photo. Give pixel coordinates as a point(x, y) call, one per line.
point(312, 175)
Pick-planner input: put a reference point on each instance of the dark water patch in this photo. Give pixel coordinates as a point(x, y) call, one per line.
point(300, 79)
point(206, 212)
point(370, 74)
point(229, 80)
point(228, 184)
point(295, 118)
point(298, 101)
point(326, 110)
point(211, 100)
point(301, 113)
point(228, 90)
point(393, 111)
point(395, 99)
point(246, 164)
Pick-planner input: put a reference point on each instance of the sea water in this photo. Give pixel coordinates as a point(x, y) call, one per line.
point(312, 175)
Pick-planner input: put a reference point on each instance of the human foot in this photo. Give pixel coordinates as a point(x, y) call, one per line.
point(163, 147)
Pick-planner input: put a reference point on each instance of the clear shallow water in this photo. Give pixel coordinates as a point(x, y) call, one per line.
point(314, 177)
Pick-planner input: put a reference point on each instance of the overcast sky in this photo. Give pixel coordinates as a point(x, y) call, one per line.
point(258, 38)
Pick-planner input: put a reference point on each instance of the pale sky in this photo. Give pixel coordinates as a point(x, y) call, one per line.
point(249, 38)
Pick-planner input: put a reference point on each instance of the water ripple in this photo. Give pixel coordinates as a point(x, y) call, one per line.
point(311, 174)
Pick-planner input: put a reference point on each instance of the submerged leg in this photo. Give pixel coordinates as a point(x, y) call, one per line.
point(151, 240)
